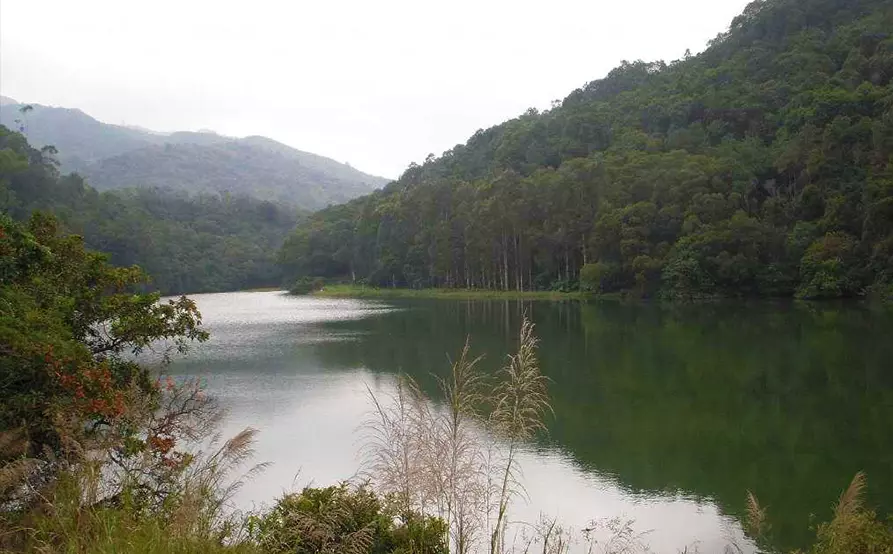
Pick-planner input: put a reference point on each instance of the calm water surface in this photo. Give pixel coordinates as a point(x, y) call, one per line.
point(662, 415)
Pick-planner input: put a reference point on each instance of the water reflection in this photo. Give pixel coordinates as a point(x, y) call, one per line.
point(663, 415)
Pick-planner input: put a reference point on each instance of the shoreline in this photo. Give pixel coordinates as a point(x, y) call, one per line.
point(353, 291)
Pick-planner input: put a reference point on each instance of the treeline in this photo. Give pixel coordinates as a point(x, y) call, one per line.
point(187, 243)
point(763, 166)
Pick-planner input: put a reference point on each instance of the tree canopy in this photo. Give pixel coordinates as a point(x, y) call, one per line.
point(762, 166)
point(69, 322)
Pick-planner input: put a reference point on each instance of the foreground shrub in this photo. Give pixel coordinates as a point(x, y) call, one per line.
point(344, 519)
point(62, 523)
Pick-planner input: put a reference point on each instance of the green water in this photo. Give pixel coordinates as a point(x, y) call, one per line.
point(665, 415)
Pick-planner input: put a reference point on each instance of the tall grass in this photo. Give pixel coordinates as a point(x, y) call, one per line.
point(457, 460)
point(521, 402)
point(108, 494)
point(459, 486)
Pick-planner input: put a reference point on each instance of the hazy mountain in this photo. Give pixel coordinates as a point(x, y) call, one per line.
point(79, 138)
point(237, 166)
point(117, 156)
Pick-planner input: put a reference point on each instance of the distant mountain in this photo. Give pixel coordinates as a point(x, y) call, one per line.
point(4, 100)
point(235, 166)
point(79, 138)
point(116, 156)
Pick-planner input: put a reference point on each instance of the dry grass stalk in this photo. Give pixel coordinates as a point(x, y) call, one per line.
point(622, 538)
point(457, 457)
point(755, 521)
point(394, 449)
point(850, 501)
point(442, 461)
point(208, 486)
point(521, 402)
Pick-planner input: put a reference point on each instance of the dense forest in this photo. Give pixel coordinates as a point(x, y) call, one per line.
point(187, 243)
point(762, 166)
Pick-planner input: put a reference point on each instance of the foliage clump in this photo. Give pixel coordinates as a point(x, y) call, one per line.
point(344, 519)
point(96, 452)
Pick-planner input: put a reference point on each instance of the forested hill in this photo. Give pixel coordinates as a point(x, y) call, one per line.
point(115, 156)
point(186, 243)
point(761, 166)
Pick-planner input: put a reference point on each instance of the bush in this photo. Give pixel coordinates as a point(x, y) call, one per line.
point(344, 519)
point(600, 277)
point(828, 268)
point(306, 285)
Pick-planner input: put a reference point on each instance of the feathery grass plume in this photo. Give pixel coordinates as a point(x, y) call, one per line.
point(850, 501)
point(463, 388)
point(458, 461)
point(521, 402)
point(394, 451)
point(521, 399)
point(755, 522)
point(854, 529)
point(208, 486)
point(433, 460)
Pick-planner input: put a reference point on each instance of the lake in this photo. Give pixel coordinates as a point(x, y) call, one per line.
point(663, 415)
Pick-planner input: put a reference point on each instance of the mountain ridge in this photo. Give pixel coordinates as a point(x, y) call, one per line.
point(117, 156)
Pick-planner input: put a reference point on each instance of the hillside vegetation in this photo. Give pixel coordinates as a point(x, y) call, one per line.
point(114, 156)
point(760, 167)
point(99, 454)
point(187, 243)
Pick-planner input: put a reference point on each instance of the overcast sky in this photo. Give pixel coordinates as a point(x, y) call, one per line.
point(376, 83)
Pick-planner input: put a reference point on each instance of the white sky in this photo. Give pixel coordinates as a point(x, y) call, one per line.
point(376, 83)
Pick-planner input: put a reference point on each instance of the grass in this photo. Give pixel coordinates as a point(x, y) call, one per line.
point(359, 291)
point(439, 462)
point(263, 289)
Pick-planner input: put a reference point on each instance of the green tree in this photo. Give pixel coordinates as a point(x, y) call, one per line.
point(69, 323)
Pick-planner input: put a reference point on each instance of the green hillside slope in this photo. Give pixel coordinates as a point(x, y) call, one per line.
point(761, 166)
point(186, 243)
